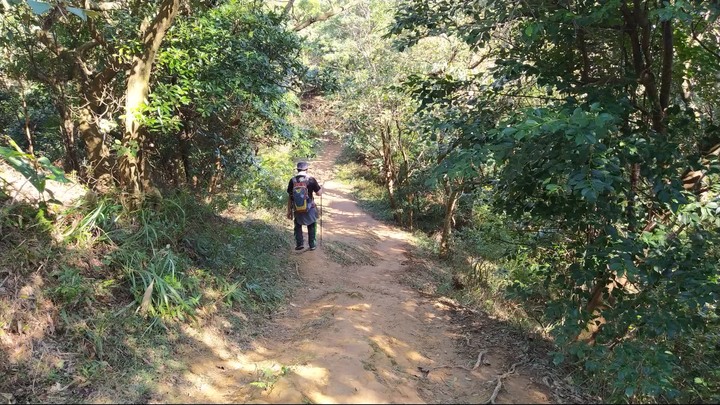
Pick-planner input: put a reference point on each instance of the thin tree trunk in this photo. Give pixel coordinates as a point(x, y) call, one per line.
point(389, 169)
point(184, 156)
point(452, 196)
point(585, 59)
point(288, 8)
point(215, 178)
point(411, 211)
point(28, 133)
point(67, 130)
point(634, 179)
point(667, 63)
point(321, 17)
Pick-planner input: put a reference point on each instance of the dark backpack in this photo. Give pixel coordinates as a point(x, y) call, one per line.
point(301, 196)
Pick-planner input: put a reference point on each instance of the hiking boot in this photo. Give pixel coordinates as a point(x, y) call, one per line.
point(300, 248)
point(313, 247)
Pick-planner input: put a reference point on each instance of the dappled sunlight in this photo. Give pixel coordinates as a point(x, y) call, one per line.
point(362, 328)
point(212, 339)
point(430, 316)
point(311, 373)
point(385, 344)
point(410, 306)
point(342, 338)
point(364, 398)
point(415, 356)
point(359, 307)
point(352, 334)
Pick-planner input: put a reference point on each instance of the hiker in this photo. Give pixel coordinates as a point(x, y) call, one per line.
point(302, 205)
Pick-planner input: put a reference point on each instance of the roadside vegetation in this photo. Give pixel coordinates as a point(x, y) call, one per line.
point(562, 161)
point(94, 294)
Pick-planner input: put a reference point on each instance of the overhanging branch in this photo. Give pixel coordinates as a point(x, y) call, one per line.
point(322, 17)
point(103, 6)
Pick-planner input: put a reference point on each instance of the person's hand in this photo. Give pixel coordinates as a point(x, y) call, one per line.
point(289, 215)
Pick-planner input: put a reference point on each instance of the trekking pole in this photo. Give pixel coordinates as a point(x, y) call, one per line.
point(321, 212)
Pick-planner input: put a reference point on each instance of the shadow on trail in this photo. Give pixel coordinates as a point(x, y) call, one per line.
point(343, 349)
point(357, 329)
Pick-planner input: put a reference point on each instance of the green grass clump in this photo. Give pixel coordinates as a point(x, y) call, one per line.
point(84, 275)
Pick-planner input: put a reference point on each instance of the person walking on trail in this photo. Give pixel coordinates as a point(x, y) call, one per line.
point(301, 205)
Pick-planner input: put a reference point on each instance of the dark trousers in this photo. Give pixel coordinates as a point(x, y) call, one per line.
point(312, 228)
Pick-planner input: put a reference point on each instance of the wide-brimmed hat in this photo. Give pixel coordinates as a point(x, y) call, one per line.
point(302, 165)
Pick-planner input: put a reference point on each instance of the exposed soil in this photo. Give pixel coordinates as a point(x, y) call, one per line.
point(358, 330)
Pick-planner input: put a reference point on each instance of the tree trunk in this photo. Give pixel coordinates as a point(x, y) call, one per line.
point(71, 162)
point(215, 178)
point(184, 149)
point(99, 173)
point(411, 211)
point(634, 179)
point(451, 198)
point(28, 133)
point(131, 165)
point(639, 29)
point(321, 17)
point(389, 169)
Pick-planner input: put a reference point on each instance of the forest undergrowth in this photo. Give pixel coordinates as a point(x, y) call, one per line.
point(490, 269)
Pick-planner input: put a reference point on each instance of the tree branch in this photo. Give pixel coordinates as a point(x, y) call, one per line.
point(86, 47)
point(288, 8)
point(703, 46)
point(667, 62)
point(322, 17)
point(103, 6)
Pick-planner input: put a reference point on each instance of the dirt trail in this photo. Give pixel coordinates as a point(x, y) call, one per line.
point(354, 332)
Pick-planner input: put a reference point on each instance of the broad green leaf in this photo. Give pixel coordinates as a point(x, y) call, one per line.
point(78, 12)
point(56, 173)
point(39, 7)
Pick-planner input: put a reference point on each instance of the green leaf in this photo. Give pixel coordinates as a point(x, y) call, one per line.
point(529, 30)
point(509, 131)
point(629, 391)
point(56, 173)
point(78, 12)
point(589, 194)
point(39, 7)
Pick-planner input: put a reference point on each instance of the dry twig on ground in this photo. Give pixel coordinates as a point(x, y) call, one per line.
point(498, 386)
point(479, 361)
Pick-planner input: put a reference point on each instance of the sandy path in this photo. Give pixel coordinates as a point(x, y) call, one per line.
point(353, 333)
